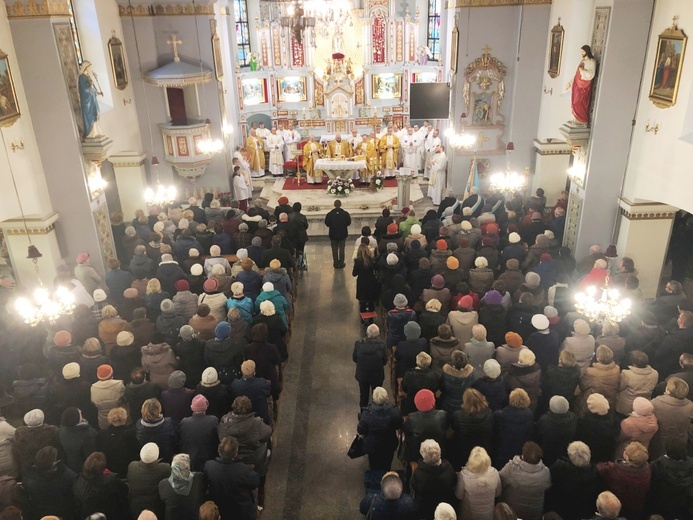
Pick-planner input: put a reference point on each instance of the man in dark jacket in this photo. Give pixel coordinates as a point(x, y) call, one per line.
point(278, 252)
point(138, 391)
point(199, 214)
point(544, 342)
point(575, 483)
point(47, 487)
point(168, 273)
point(254, 388)
point(117, 281)
point(381, 224)
point(672, 480)
point(338, 221)
point(231, 483)
point(666, 358)
point(370, 356)
point(391, 502)
point(182, 246)
point(556, 429)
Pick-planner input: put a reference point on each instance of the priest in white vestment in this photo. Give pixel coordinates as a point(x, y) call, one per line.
point(437, 168)
point(410, 151)
point(263, 133)
point(354, 140)
point(275, 145)
point(432, 142)
point(291, 140)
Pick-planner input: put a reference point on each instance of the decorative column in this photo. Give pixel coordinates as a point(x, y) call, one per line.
point(131, 180)
point(552, 161)
point(403, 191)
point(42, 233)
point(643, 234)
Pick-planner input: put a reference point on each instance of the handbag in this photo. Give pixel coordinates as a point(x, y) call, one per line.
point(356, 449)
point(369, 515)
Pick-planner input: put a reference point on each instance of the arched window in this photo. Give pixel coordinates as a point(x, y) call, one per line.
point(433, 41)
point(242, 33)
point(75, 34)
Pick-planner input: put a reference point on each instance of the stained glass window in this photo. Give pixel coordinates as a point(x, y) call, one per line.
point(242, 34)
point(75, 34)
point(433, 41)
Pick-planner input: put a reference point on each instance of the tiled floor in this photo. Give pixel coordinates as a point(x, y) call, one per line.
point(311, 476)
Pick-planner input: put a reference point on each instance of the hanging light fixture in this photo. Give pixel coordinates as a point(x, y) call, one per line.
point(460, 140)
point(44, 306)
point(602, 304)
point(159, 194)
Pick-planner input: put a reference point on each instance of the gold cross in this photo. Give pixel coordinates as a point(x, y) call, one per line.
point(175, 42)
point(486, 49)
point(676, 19)
point(483, 139)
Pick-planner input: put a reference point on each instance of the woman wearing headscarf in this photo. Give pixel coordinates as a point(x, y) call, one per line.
point(183, 491)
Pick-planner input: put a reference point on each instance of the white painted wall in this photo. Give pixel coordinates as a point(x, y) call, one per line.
point(659, 166)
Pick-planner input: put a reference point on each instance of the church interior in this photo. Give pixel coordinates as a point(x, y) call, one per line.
point(106, 105)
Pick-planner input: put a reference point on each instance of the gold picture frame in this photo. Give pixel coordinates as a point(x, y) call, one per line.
point(117, 54)
point(556, 50)
point(216, 54)
point(292, 89)
point(9, 106)
point(386, 86)
point(666, 76)
point(453, 49)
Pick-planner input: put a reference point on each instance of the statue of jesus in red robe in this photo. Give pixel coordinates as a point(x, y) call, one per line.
point(582, 86)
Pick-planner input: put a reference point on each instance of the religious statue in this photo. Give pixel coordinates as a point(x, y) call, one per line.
point(253, 62)
point(582, 86)
point(337, 41)
point(88, 100)
point(423, 54)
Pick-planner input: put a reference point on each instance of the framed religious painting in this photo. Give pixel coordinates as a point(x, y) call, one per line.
point(666, 75)
point(425, 77)
point(254, 91)
point(120, 73)
point(556, 50)
point(9, 107)
point(386, 85)
point(292, 89)
point(453, 49)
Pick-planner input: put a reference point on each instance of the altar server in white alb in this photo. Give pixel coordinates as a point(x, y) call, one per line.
point(263, 133)
point(291, 140)
point(275, 145)
point(437, 167)
point(354, 140)
point(410, 150)
point(432, 142)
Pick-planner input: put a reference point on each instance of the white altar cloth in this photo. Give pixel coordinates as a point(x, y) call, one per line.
point(343, 169)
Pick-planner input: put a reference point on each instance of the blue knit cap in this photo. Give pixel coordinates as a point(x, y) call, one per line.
point(222, 330)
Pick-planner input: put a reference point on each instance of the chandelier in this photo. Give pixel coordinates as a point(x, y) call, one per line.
point(44, 306)
point(507, 181)
point(159, 195)
point(602, 304)
point(209, 146)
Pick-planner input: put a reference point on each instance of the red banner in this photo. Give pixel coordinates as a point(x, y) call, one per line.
point(379, 38)
point(296, 52)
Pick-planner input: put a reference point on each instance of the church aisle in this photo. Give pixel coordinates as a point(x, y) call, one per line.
point(311, 476)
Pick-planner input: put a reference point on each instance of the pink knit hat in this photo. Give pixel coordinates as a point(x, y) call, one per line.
point(199, 403)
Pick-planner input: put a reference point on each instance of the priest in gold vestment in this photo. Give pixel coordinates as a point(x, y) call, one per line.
point(312, 151)
point(339, 147)
point(255, 148)
point(366, 150)
point(388, 148)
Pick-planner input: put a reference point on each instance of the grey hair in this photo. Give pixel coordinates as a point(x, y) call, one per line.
point(444, 512)
point(373, 331)
point(579, 454)
point(608, 505)
point(380, 395)
point(391, 486)
point(430, 452)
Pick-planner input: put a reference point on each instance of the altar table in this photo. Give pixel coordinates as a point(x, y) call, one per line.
point(342, 169)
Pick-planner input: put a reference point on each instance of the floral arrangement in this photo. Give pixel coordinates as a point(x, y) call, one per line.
point(377, 183)
point(340, 186)
point(225, 199)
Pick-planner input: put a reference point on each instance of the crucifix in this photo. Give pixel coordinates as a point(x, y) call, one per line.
point(486, 49)
point(175, 42)
point(483, 139)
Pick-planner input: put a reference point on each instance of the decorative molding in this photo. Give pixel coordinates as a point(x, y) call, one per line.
point(668, 215)
point(452, 4)
point(37, 9)
point(35, 225)
point(646, 210)
point(165, 10)
point(552, 147)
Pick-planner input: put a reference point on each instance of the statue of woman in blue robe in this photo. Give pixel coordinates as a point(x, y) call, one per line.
point(88, 100)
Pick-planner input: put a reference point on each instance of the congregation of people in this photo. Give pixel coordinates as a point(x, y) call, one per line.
point(505, 402)
point(158, 397)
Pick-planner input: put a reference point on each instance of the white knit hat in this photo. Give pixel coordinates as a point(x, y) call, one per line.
point(149, 453)
point(514, 238)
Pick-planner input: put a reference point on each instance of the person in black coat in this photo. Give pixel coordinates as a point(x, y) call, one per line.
point(492, 316)
point(370, 356)
point(190, 353)
point(378, 425)
point(381, 224)
point(278, 252)
point(492, 386)
point(598, 429)
point(367, 286)
point(519, 317)
point(48, 487)
point(433, 481)
point(72, 390)
point(420, 278)
point(420, 378)
point(154, 427)
point(256, 389)
point(118, 442)
point(232, 483)
point(575, 484)
point(138, 391)
point(198, 434)
point(98, 491)
point(680, 341)
point(556, 429)
point(559, 380)
point(544, 343)
point(168, 273)
point(77, 438)
point(338, 222)
point(513, 426)
point(671, 482)
point(473, 426)
point(406, 351)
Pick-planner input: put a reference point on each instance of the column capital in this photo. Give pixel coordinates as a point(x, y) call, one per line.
point(127, 159)
point(35, 224)
point(646, 210)
point(552, 147)
point(37, 8)
point(165, 8)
